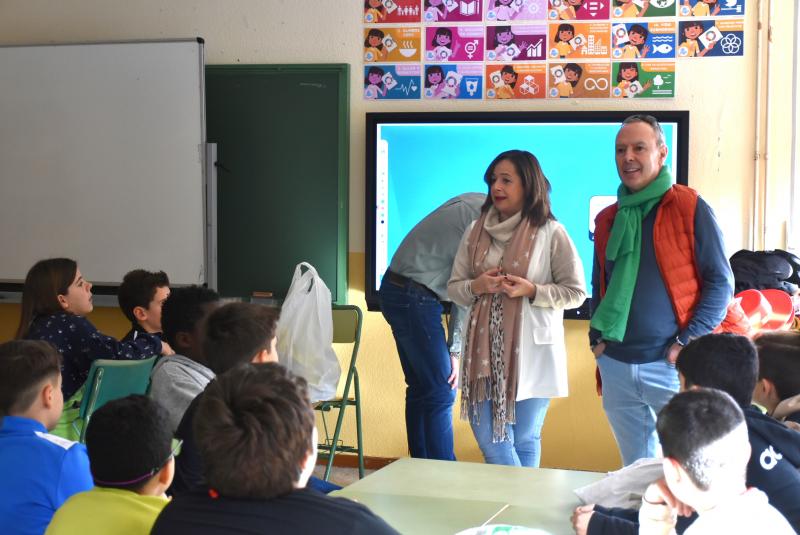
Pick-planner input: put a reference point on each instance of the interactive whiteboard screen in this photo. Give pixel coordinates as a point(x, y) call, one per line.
point(415, 162)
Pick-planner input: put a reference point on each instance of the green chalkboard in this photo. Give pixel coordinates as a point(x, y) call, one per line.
point(282, 135)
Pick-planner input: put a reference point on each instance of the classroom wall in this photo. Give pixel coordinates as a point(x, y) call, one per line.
point(721, 95)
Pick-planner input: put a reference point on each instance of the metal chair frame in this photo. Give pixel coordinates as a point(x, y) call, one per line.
point(348, 331)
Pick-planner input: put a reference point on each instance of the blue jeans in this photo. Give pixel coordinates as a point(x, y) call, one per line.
point(633, 394)
point(524, 447)
point(415, 316)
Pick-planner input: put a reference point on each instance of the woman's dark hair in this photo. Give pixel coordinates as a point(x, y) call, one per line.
point(564, 28)
point(627, 65)
point(46, 280)
point(374, 32)
point(577, 69)
point(641, 30)
point(441, 31)
point(373, 70)
point(430, 70)
point(509, 69)
point(536, 187)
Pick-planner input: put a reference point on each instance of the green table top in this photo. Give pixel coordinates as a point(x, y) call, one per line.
point(425, 496)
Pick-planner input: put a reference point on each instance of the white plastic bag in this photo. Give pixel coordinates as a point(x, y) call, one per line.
point(305, 333)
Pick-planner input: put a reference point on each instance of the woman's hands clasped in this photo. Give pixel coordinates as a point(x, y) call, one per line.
point(495, 281)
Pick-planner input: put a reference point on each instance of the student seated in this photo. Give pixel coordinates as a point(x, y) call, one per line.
point(129, 444)
point(235, 334)
point(55, 299)
point(141, 296)
point(778, 387)
point(706, 450)
point(729, 363)
point(176, 381)
point(255, 431)
point(38, 471)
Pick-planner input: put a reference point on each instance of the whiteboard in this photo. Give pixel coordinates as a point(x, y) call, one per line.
point(101, 158)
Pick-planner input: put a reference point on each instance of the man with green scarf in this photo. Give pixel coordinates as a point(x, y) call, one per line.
point(660, 278)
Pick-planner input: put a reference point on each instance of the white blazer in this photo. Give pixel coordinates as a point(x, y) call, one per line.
point(557, 271)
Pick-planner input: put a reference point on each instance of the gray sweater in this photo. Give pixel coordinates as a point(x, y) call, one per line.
point(175, 381)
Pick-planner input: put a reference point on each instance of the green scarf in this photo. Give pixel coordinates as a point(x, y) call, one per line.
point(625, 250)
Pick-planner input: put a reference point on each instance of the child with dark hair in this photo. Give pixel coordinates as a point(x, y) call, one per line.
point(778, 386)
point(234, 334)
point(705, 442)
point(255, 431)
point(636, 47)
point(729, 363)
point(373, 83)
point(55, 300)
point(132, 462)
point(626, 76)
point(373, 46)
point(509, 77)
point(39, 470)
point(564, 34)
point(691, 30)
point(572, 75)
point(176, 381)
point(141, 296)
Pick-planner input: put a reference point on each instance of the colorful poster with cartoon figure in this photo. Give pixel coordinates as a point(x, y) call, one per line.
point(579, 80)
point(453, 81)
point(578, 9)
point(711, 38)
point(516, 43)
point(576, 40)
point(511, 10)
point(452, 10)
point(711, 8)
point(516, 80)
point(392, 44)
point(639, 40)
point(628, 9)
point(397, 82)
point(454, 43)
point(645, 79)
point(392, 11)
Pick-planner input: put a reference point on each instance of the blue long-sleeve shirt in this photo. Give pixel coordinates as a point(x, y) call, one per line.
point(80, 343)
point(652, 325)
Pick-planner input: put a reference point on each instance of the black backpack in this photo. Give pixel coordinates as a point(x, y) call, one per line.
point(761, 270)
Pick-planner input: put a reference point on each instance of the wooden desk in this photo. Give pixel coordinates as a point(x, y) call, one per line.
point(418, 496)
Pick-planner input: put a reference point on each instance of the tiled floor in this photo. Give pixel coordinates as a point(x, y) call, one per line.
point(340, 476)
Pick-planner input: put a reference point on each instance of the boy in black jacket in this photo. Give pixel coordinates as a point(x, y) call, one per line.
point(728, 363)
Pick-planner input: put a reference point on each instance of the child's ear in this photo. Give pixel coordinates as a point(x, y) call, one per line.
point(183, 339)
point(48, 394)
point(62, 300)
point(140, 314)
point(166, 474)
point(673, 472)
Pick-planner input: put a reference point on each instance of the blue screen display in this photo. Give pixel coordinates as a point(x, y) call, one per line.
point(419, 166)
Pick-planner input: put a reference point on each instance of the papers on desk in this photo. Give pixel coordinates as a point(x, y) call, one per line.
point(502, 529)
point(625, 487)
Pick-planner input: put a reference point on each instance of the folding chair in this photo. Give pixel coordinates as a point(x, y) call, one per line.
point(112, 379)
point(347, 320)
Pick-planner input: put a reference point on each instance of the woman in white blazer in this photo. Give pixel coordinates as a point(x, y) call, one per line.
point(517, 270)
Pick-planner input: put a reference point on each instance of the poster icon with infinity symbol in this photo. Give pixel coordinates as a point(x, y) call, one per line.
point(579, 80)
point(643, 79)
point(453, 43)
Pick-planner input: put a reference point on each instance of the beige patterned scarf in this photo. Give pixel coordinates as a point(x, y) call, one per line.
point(490, 367)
